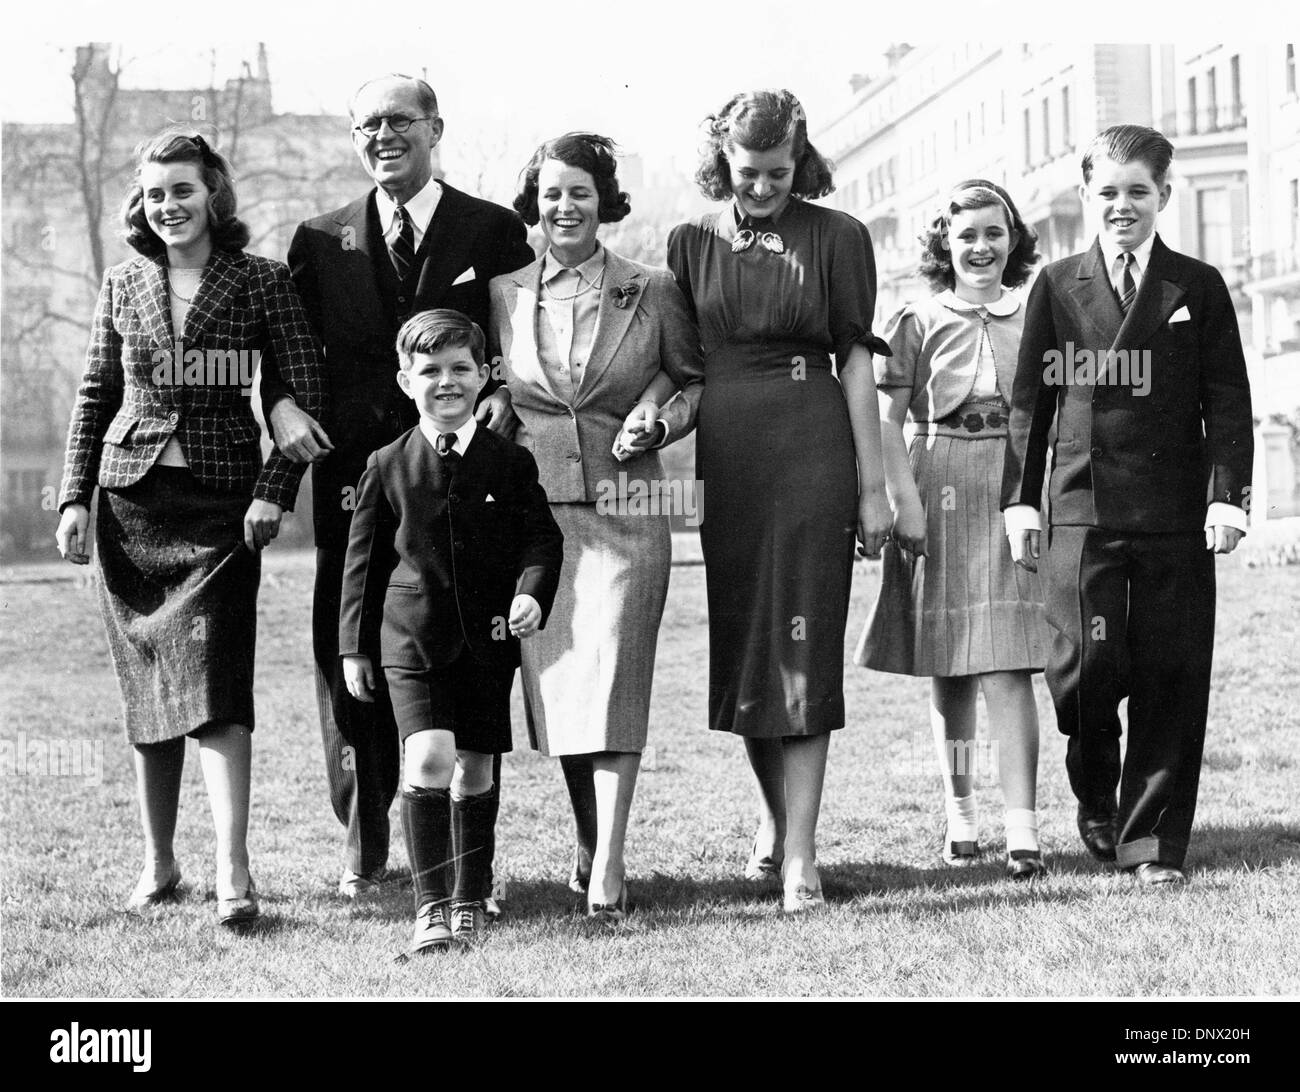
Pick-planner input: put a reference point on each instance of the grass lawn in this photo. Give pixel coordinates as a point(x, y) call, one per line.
point(900, 924)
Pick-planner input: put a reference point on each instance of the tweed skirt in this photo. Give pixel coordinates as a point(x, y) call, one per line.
point(965, 608)
point(587, 676)
point(178, 594)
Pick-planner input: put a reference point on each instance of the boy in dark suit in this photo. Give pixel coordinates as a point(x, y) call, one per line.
point(1132, 350)
point(453, 556)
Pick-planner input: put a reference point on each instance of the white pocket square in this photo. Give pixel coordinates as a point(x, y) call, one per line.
point(464, 278)
point(1181, 315)
point(489, 499)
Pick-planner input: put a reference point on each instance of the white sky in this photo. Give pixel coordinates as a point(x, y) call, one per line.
point(643, 71)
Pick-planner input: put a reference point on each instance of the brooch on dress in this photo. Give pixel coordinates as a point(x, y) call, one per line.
point(625, 293)
point(769, 240)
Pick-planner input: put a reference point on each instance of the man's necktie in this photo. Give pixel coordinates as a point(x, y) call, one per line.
point(445, 447)
point(402, 248)
point(1127, 289)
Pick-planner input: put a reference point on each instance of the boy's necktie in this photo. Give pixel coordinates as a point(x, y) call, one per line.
point(402, 249)
point(1127, 289)
point(445, 446)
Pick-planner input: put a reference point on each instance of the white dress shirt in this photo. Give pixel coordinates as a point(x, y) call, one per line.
point(419, 208)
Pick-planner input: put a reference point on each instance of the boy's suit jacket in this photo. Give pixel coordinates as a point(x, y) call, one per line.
point(127, 409)
point(333, 261)
point(571, 433)
point(1123, 460)
point(438, 555)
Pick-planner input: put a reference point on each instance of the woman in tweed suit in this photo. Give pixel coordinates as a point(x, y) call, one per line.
point(163, 424)
point(591, 344)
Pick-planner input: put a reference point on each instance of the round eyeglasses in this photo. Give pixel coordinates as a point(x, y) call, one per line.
point(399, 123)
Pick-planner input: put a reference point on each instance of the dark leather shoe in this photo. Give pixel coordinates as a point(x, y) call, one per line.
point(241, 910)
point(432, 931)
point(961, 854)
point(1149, 873)
point(1025, 864)
point(1098, 834)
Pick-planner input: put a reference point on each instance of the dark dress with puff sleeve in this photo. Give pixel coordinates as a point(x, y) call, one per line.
point(775, 453)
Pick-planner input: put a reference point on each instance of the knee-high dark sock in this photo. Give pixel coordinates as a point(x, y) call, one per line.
point(579, 777)
point(495, 793)
point(472, 841)
point(426, 822)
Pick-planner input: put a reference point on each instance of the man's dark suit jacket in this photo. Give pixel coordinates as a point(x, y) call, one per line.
point(439, 561)
point(1123, 460)
point(335, 261)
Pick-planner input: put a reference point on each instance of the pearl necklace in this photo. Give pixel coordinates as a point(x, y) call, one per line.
point(586, 286)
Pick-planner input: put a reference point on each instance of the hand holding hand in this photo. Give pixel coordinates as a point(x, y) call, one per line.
point(874, 523)
point(909, 527)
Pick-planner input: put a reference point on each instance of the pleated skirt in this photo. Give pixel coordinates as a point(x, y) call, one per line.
point(965, 608)
point(178, 595)
point(587, 676)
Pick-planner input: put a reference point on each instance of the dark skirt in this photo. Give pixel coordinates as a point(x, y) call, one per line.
point(775, 453)
point(178, 594)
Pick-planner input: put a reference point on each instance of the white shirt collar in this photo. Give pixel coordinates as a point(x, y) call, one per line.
point(1141, 255)
point(463, 434)
point(589, 270)
point(1004, 305)
point(419, 208)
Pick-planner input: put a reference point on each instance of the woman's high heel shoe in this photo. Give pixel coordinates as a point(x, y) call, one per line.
point(762, 868)
point(146, 896)
point(801, 898)
point(609, 914)
point(240, 910)
point(1025, 864)
point(580, 877)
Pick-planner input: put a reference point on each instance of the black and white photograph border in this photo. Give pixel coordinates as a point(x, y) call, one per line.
point(1000, 86)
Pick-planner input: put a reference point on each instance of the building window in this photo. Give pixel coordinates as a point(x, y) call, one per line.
point(1214, 227)
point(1234, 78)
point(1212, 95)
point(1191, 106)
point(1047, 128)
point(1290, 69)
point(1029, 139)
point(983, 129)
point(1067, 135)
point(1295, 213)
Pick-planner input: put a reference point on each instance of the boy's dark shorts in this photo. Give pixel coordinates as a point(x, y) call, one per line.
point(468, 697)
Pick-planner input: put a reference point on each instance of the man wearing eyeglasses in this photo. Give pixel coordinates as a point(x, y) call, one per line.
point(411, 244)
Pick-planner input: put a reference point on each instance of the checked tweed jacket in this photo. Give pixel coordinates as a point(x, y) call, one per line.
point(123, 417)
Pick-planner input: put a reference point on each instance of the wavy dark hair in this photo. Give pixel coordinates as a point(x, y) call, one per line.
point(759, 121)
point(976, 193)
point(226, 230)
point(589, 152)
point(1125, 143)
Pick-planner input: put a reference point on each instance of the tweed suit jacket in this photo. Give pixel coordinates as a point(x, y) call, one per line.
point(132, 399)
point(1124, 460)
point(570, 433)
point(332, 259)
point(438, 550)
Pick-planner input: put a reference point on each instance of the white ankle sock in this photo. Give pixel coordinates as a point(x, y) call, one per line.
point(1022, 829)
point(963, 818)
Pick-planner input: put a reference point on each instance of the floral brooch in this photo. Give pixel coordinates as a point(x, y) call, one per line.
point(625, 293)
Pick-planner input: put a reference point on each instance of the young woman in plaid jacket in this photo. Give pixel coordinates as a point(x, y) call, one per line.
point(163, 425)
